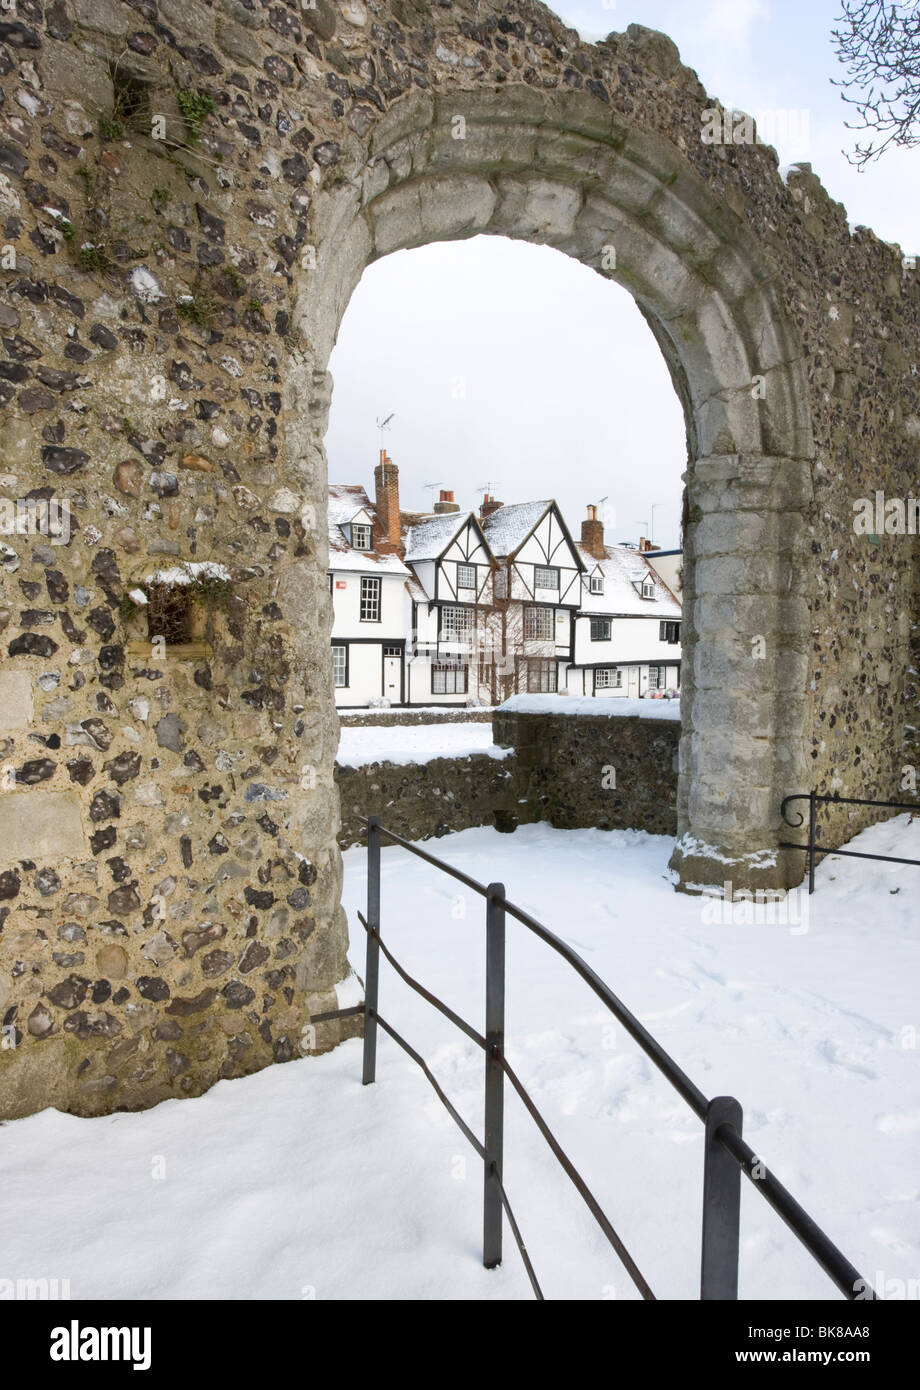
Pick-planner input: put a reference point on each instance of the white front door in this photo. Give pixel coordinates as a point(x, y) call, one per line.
point(392, 666)
point(632, 682)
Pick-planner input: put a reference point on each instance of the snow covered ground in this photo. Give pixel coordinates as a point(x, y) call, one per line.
point(299, 1182)
point(414, 743)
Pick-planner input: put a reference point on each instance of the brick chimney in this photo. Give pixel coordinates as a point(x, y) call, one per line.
point(446, 503)
point(386, 481)
point(489, 505)
point(645, 545)
point(592, 535)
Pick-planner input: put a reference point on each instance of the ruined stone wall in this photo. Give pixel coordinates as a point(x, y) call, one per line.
point(170, 887)
point(577, 771)
point(571, 770)
point(861, 339)
point(420, 800)
point(188, 194)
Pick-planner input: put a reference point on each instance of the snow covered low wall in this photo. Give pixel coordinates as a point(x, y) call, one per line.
point(575, 763)
point(419, 799)
point(606, 763)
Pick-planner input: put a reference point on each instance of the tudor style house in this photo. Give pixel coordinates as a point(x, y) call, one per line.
point(447, 608)
point(367, 580)
point(627, 631)
point(451, 593)
point(537, 595)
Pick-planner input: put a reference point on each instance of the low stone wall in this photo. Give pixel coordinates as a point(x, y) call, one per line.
point(574, 771)
point(419, 800)
point(614, 772)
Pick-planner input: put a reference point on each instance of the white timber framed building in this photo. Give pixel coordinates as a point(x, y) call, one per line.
point(450, 608)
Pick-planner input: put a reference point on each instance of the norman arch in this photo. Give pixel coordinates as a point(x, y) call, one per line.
point(551, 168)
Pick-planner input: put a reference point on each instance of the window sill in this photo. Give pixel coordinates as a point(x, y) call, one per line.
point(179, 651)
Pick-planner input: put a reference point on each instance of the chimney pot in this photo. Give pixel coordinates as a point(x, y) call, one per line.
point(592, 535)
point(446, 503)
point(386, 482)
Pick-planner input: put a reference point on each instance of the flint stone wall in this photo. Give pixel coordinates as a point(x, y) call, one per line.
point(421, 800)
point(559, 772)
point(615, 772)
point(188, 195)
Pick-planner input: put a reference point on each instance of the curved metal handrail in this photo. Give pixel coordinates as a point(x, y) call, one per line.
point(796, 796)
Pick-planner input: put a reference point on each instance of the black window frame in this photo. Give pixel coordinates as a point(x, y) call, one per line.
point(547, 569)
point(542, 665)
point(601, 623)
point(446, 666)
point(466, 627)
point(530, 611)
point(340, 646)
point(371, 579)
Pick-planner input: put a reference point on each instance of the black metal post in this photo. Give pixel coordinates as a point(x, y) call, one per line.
point(372, 967)
point(812, 837)
point(495, 1076)
point(721, 1205)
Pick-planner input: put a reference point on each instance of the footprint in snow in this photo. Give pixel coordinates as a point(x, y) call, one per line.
point(908, 1123)
point(834, 1054)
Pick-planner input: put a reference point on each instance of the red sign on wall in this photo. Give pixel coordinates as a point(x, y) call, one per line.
point(341, 584)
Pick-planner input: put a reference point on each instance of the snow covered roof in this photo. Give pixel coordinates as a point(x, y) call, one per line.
point(427, 537)
point(415, 590)
point(622, 570)
point(507, 528)
point(346, 500)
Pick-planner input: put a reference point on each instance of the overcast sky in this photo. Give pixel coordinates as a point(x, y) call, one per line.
point(514, 368)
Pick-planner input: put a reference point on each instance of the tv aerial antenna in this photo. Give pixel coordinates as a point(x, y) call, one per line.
point(384, 424)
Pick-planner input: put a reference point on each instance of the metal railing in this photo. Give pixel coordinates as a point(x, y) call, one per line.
point(726, 1155)
point(811, 846)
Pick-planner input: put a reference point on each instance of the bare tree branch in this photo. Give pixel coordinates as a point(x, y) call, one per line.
point(879, 45)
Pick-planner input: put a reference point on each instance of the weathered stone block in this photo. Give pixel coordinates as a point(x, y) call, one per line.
point(15, 700)
point(42, 825)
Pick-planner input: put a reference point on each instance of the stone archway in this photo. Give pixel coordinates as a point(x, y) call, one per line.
point(556, 169)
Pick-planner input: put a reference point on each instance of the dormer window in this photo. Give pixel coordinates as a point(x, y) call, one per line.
point(361, 536)
point(644, 587)
point(596, 584)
